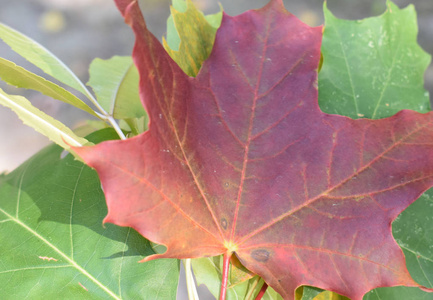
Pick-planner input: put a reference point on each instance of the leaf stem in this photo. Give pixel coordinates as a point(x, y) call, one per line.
point(103, 115)
point(190, 285)
point(225, 274)
point(116, 127)
point(262, 291)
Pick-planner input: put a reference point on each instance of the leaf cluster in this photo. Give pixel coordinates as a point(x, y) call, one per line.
point(52, 207)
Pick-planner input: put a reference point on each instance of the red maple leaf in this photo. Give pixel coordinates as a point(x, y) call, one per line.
point(241, 160)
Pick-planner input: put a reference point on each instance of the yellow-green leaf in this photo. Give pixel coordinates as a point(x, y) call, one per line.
point(40, 57)
point(20, 77)
point(41, 122)
point(196, 38)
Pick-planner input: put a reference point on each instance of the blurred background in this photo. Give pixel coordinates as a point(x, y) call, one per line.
point(80, 30)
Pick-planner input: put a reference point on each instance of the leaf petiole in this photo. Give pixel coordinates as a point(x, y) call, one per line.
point(104, 115)
point(225, 274)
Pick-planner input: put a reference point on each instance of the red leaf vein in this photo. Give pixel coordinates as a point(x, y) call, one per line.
point(165, 197)
point(327, 192)
point(250, 129)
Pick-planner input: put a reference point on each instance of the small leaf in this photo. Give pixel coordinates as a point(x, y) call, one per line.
point(53, 244)
point(195, 34)
point(41, 122)
point(21, 78)
point(370, 63)
point(115, 83)
point(40, 57)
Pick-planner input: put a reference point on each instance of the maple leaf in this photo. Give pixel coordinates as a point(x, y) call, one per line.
point(241, 160)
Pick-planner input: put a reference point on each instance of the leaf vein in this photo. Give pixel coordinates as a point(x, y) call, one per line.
point(327, 192)
point(68, 259)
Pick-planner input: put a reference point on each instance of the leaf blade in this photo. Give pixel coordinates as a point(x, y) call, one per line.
point(40, 57)
point(57, 252)
point(34, 218)
point(21, 78)
point(264, 165)
point(372, 63)
point(412, 231)
point(115, 83)
point(194, 35)
point(41, 122)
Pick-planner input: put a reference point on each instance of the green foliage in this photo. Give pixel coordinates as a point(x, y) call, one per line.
point(41, 122)
point(53, 242)
point(40, 57)
point(51, 208)
point(190, 36)
point(21, 78)
point(173, 38)
point(115, 82)
point(374, 67)
point(356, 81)
point(208, 271)
point(397, 293)
point(414, 233)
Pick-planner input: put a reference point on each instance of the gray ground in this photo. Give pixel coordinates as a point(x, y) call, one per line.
point(80, 30)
